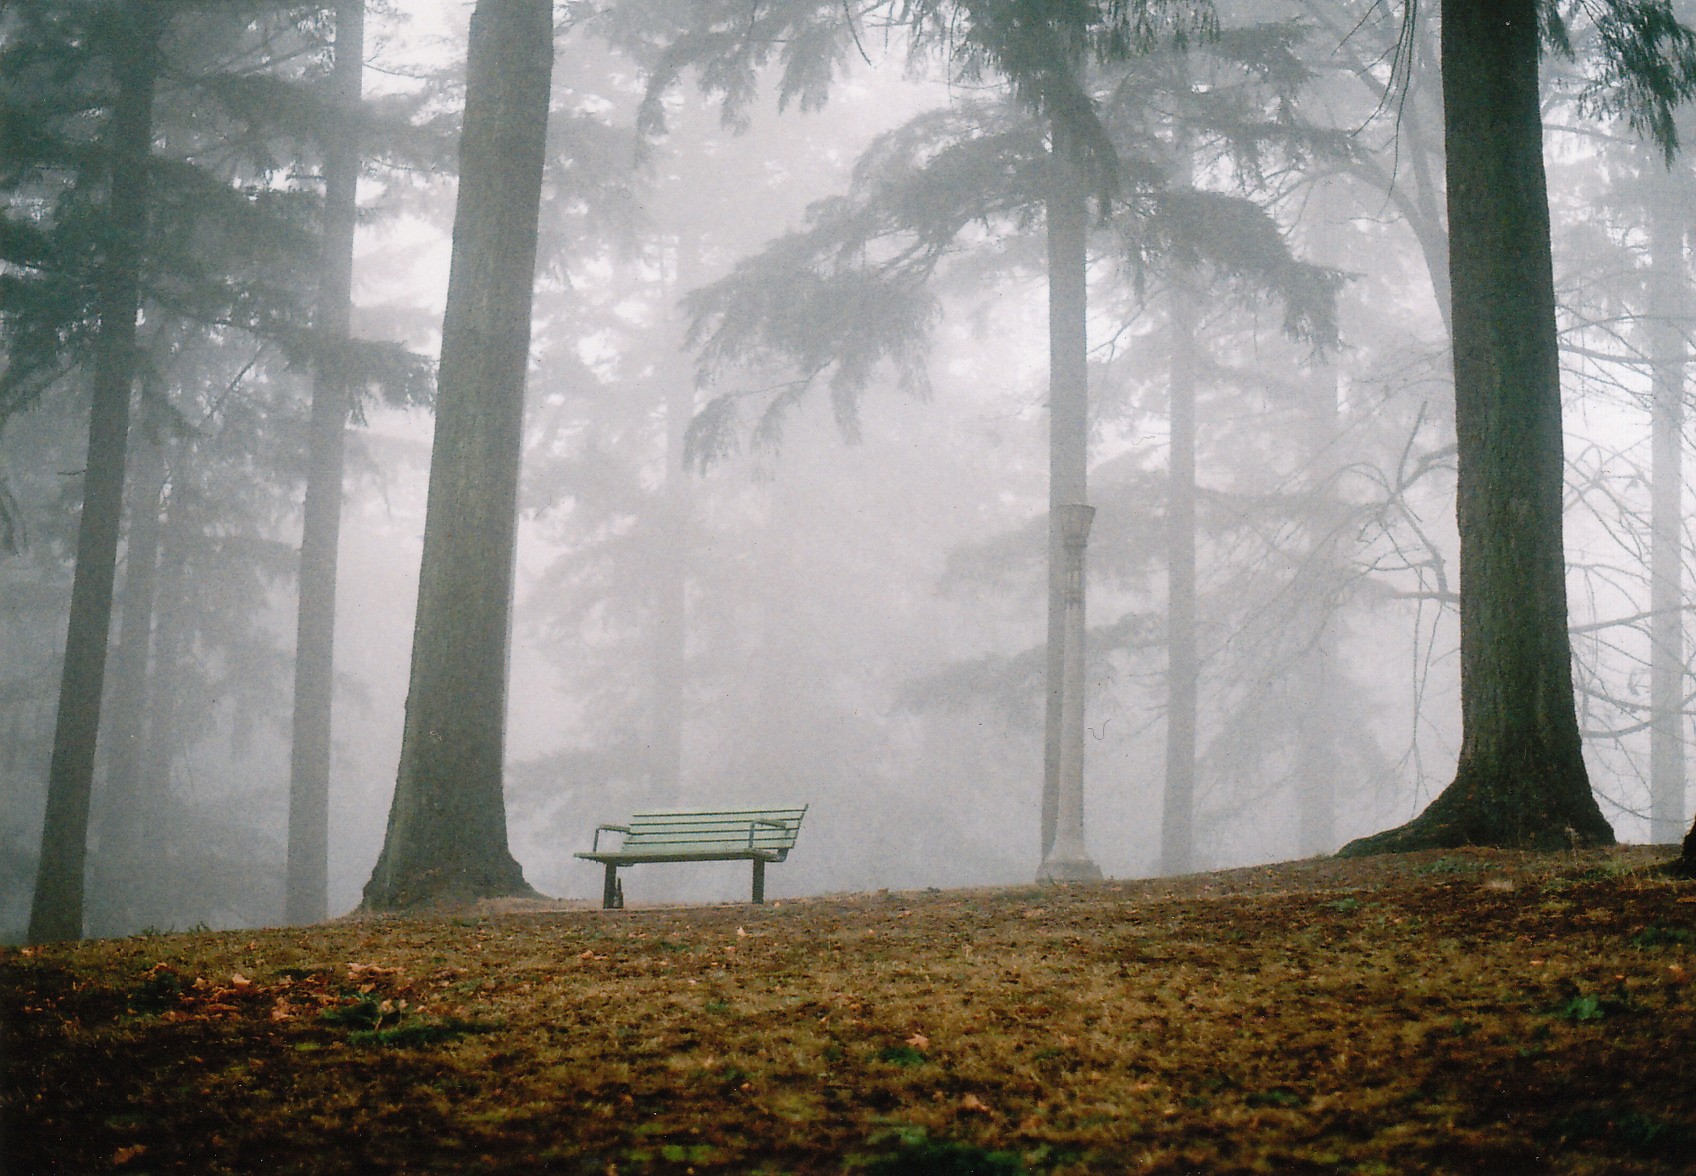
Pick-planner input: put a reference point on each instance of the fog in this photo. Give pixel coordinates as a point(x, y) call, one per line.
point(857, 609)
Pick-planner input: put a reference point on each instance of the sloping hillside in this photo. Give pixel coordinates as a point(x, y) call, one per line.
point(1460, 1012)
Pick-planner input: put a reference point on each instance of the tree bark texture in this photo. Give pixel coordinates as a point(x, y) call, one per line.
point(57, 910)
point(1068, 426)
point(1177, 826)
point(306, 889)
point(447, 837)
point(1521, 779)
point(1666, 320)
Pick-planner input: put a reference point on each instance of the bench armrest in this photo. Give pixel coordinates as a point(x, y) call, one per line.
point(599, 829)
point(761, 821)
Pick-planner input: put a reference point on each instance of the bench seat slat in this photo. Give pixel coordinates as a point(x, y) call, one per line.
point(623, 858)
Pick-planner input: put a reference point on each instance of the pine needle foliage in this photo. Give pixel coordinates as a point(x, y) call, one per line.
point(855, 291)
point(1643, 62)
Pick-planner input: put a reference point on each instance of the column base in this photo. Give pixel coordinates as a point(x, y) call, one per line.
point(1071, 870)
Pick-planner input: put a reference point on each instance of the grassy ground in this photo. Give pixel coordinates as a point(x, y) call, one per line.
point(1460, 1012)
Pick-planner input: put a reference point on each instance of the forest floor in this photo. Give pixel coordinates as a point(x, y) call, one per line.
point(1440, 1012)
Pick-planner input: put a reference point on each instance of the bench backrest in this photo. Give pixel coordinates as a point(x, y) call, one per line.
point(702, 831)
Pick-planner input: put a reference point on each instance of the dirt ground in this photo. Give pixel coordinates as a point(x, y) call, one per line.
point(1468, 1012)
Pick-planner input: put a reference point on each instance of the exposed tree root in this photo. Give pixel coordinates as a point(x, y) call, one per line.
point(1518, 810)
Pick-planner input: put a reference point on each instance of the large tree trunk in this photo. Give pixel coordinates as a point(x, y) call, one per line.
point(306, 890)
point(1521, 779)
point(57, 912)
point(1068, 428)
point(1177, 825)
point(117, 812)
point(447, 826)
point(1665, 326)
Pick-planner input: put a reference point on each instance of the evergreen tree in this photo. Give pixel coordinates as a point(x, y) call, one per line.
point(129, 43)
point(306, 885)
point(853, 291)
point(220, 254)
point(1521, 778)
point(447, 836)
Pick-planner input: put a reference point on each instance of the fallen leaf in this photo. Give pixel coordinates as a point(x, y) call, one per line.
point(973, 1103)
point(1677, 972)
point(741, 934)
point(919, 1041)
point(125, 1154)
point(240, 981)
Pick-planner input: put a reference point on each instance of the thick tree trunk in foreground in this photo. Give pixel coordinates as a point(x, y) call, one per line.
point(1068, 429)
point(1521, 779)
point(57, 912)
point(306, 891)
point(447, 826)
point(1665, 322)
point(1177, 826)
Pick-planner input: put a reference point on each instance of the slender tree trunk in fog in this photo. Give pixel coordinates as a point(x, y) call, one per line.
point(306, 892)
point(447, 834)
point(671, 601)
point(117, 818)
point(1316, 759)
point(1068, 427)
point(671, 582)
point(57, 911)
point(147, 900)
point(1668, 306)
point(1177, 825)
point(1521, 779)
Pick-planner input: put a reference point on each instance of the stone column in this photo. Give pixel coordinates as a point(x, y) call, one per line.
point(1068, 860)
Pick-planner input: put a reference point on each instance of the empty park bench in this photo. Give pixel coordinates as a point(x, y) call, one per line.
point(724, 835)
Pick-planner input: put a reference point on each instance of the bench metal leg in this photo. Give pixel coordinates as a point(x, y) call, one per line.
point(759, 881)
point(612, 897)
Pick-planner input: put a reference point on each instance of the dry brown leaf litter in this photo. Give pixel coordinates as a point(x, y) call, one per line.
point(1458, 1012)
